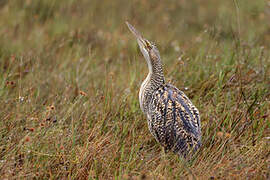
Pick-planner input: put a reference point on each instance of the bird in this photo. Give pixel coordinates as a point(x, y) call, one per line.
point(171, 117)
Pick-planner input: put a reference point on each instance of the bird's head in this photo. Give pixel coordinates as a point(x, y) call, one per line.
point(148, 49)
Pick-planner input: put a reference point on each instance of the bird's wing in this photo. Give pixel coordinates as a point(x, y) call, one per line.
point(174, 120)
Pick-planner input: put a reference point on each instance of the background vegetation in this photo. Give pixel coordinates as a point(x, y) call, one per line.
point(70, 73)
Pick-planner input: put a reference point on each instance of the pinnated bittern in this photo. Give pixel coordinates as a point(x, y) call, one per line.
point(172, 118)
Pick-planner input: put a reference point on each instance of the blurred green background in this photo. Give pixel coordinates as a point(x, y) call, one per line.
point(70, 73)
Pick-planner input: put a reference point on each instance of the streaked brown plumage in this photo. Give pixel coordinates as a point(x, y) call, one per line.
point(172, 118)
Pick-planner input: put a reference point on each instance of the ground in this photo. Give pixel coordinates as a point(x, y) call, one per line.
point(70, 73)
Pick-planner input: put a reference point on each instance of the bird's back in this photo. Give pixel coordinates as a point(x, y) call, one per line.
point(173, 120)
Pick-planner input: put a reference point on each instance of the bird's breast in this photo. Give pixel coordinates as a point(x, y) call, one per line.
point(143, 93)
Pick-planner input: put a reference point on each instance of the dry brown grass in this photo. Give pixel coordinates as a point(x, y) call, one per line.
point(69, 78)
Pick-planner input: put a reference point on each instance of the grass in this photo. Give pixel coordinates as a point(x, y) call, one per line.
point(70, 73)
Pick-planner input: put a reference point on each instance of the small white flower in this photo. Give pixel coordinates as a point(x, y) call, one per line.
point(21, 99)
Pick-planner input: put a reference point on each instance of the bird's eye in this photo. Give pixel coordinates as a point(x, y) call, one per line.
point(148, 45)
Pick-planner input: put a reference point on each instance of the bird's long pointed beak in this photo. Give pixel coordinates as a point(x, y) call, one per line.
point(137, 34)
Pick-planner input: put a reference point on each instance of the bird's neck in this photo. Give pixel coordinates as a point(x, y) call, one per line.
point(155, 75)
point(154, 79)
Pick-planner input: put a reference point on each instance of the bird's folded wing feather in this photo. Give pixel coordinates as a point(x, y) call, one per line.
point(173, 117)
